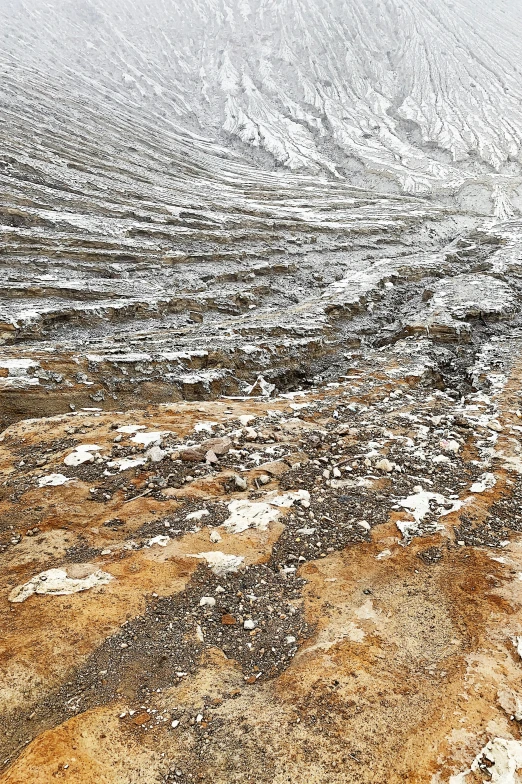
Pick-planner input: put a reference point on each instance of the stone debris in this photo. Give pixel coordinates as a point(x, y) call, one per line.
point(160, 540)
point(499, 760)
point(382, 465)
point(308, 503)
point(517, 641)
point(156, 454)
point(261, 387)
point(124, 463)
point(197, 515)
point(422, 503)
point(485, 482)
point(511, 702)
point(288, 499)
point(57, 582)
point(52, 480)
point(240, 482)
point(81, 454)
point(220, 563)
point(245, 515)
point(148, 438)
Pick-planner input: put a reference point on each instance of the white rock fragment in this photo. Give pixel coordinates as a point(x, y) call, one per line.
point(207, 601)
point(215, 536)
point(517, 642)
point(384, 465)
point(123, 463)
point(249, 624)
point(240, 482)
point(288, 499)
point(495, 425)
point(153, 437)
point(55, 582)
point(220, 563)
point(156, 454)
point(261, 387)
point(160, 540)
point(485, 482)
point(175, 724)
point(410, 528)
point(197, 515)
point(502, 758)
point(129, 429)
point(246, 514)
point(441, 459)
point(199, 633)
point(52, 480)
point(450, 445)
point(290, 639)
point(418, 504)
point(81, 454)
point(205, 427)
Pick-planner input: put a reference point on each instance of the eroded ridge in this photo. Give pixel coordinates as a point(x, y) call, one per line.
point(187, 204)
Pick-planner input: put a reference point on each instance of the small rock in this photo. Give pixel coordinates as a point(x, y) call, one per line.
point(215, 536)
point(249, 624)
point(207, 601)
point(276, 468)
point(240, 483)
point(191, 455)
point(450, 446)
point(156, 454)
point(228, 620)
point(384, 465)
point(220, 446)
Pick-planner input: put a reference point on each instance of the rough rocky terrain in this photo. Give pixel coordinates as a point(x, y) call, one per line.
point(249, 588)
point(260, 392)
